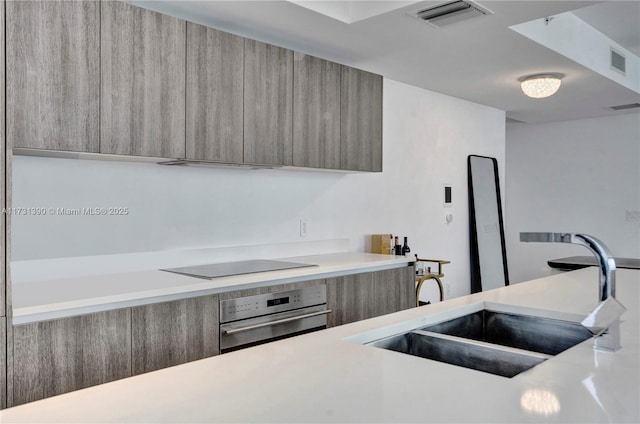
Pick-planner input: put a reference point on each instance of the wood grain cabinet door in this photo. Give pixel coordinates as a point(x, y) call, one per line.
point(370, 294)
point(59, 356)
point(394, 290)
point(142, 98)
point(351, 298)
point(361, 120)
point(3, 362)
point(172, 333)
point(53, 74)
point(316, 112)
point(3, 172)
point(215, 68)
point(268, 104)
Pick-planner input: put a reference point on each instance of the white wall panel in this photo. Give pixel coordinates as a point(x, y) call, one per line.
point(427, 137)
point(573, 176)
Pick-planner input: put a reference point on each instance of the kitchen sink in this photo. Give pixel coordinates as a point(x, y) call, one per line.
point(500, 343)
point(480, 356)
point(543, 335)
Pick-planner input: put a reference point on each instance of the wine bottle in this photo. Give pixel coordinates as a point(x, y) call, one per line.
point(396, 245)
point(405, 248)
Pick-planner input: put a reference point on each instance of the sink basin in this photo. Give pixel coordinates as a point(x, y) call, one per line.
point(499, 343)
point(480, 356)
point(543, 335)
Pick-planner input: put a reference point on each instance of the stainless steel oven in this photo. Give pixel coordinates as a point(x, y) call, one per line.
point(251, 320)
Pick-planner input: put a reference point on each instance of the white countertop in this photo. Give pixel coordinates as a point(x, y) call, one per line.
point(58, 298)
point(321, 377)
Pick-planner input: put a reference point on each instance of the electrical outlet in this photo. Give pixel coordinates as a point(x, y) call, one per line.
point(304, 227)
point(633, 216)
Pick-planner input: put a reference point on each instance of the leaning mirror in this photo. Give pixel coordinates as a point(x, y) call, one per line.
point(486, 231)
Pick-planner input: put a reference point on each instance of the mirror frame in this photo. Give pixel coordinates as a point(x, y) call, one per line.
point(476, 275)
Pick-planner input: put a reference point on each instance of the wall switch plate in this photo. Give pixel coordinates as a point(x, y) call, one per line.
point(448, 193)
point(633, 216)
point(304, 227)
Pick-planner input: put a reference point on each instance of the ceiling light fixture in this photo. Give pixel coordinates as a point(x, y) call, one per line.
point(540, 86)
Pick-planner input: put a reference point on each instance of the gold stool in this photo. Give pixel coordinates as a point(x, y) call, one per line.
point(420, 279)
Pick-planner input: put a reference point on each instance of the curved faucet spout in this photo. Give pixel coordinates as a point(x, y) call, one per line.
point(606, 262)
point(605, 316)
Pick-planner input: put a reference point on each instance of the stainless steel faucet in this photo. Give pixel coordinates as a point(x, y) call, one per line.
point(604, 321)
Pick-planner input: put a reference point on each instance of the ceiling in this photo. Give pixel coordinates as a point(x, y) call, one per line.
point(620, 20)
point(479, 59)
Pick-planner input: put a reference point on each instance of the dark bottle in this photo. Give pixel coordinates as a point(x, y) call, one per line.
point(405, 248)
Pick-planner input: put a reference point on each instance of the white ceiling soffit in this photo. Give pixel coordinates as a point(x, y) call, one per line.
point(573, 38)
point(619, 20)
point(352, 11)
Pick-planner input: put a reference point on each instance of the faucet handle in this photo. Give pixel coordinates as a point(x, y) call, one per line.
point(607, 313)
point(547, 237)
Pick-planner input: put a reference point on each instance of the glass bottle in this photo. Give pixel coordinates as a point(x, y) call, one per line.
point(405, 248)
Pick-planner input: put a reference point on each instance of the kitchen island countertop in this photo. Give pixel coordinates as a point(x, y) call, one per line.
point(326, 376)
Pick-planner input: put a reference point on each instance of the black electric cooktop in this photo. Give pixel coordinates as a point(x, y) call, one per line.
point(209, 271)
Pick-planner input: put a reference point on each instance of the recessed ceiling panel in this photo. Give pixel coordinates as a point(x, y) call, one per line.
point(619, 20)
point(352, 11)
point(570, 36)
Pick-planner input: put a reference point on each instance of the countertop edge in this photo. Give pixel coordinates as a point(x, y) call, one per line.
point(198, 287)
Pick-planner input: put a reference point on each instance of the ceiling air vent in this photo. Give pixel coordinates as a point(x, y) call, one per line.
point(618, 61)
point(451, 12)
point(624, 107)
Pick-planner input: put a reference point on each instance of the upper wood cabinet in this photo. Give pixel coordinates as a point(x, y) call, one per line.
point(53, 74)
point(109, 77)
point(142, 97)
point(215, 69)
point(59, 356)
point(316, 112)
point(361, 120)
point(268, 104)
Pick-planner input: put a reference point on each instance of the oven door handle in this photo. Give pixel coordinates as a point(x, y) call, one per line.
point(280, 321)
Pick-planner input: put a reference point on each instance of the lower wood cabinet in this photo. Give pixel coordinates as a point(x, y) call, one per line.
point(3, 362)
point(350, 298)
point(370, 294)
point(63, 355)
point(172, 333)
point(395, 290)
point(59, 356)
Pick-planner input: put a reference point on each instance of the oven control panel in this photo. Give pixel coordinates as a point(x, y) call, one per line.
point(269, 303)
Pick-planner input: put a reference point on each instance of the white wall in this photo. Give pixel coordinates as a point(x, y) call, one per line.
point(427, 137)
point(574, 176)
